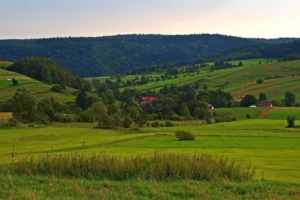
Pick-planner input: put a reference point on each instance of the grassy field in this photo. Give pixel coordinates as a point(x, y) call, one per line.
point(5, 64)
point(39, 89)
point(28, 187)
point(282, 113)
point(239, 113)
point(267, 144)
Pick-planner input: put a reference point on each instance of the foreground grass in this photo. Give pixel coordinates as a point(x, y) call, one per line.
point(267, 144)
point(158, 167)
point(45, 187)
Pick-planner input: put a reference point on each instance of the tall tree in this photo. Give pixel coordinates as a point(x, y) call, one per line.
point(248, 100)
point(262, 97)
point(81, 99)
point(290, 98)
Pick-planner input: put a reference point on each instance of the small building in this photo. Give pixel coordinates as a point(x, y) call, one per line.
point(252, 106)
point(148, 99)
point(210, 106)
point(265, 104)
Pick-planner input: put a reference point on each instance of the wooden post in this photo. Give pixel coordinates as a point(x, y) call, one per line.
point(13, 155)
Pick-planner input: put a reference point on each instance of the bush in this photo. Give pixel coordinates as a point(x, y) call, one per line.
point(259, 81)
point(155, 124)
point(162, 124)
point(291, 121)
point(248, 116)
point(169, 124)
point(184, 135)
point(158, 167)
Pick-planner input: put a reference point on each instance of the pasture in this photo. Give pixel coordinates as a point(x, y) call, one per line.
point(270, 148)
point(5, 64)
point(37, 88)
point(279, 77)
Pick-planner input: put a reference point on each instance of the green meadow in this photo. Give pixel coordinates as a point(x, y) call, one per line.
point(271, 148)
point(5, 64)
point(37, 88)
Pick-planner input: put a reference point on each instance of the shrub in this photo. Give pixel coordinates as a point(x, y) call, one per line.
point(155, 124)
point(162, 124)
point(259, 81)
point(291, 121)
point(169, 124)
point(157, 167)
point(184, 135)
point(248, 116)
point(268, 77)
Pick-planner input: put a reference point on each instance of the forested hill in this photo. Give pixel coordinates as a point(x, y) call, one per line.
point(117, 54)
point(282, 51)
point(44, 69)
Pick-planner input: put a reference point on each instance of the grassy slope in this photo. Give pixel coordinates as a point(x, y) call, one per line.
point(267, 144)
point(39, 89)
point(5, 64)
point(241, 80)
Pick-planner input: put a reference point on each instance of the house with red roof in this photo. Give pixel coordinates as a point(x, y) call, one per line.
point(265, 104)
point(148, 99)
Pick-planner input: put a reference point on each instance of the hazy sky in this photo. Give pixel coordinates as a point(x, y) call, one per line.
point(245, 18)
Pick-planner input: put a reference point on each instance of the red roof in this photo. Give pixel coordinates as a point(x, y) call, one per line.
point(264, 104)
point(148, 98)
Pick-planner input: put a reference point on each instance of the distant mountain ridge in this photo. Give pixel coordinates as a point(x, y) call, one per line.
point(95, 56)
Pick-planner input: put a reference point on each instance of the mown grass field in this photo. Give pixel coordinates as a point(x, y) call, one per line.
point(267, 144)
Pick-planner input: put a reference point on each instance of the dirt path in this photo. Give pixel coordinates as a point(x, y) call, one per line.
point(270, 110)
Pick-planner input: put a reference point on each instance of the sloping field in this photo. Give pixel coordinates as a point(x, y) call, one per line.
point(280, 113)
point(5, 64)
point(39, 89)
point(5, 115)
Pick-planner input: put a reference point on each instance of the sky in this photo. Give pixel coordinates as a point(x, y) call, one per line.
point(20, 19)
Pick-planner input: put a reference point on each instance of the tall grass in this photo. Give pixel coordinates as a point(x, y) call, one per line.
point(158, 167)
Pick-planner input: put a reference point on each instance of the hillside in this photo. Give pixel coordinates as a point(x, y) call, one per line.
point(38, 89)
point(278, 77)
point(44, 69)
point(117, 54)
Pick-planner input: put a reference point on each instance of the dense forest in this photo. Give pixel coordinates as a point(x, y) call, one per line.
point(44, 69)
point(118, 54)
point(282, 52)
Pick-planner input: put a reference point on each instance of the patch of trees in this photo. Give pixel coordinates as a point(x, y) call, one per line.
point(248, 100)
point(46, 70)
point(224, 65)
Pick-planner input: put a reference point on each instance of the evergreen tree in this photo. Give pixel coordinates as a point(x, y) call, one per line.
point(81, 100)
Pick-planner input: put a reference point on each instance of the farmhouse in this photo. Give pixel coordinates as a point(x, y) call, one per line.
point(148, 99)
point(265, 104)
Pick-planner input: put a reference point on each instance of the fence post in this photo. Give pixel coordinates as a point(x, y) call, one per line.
point(82, 143)
point(13, 155)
